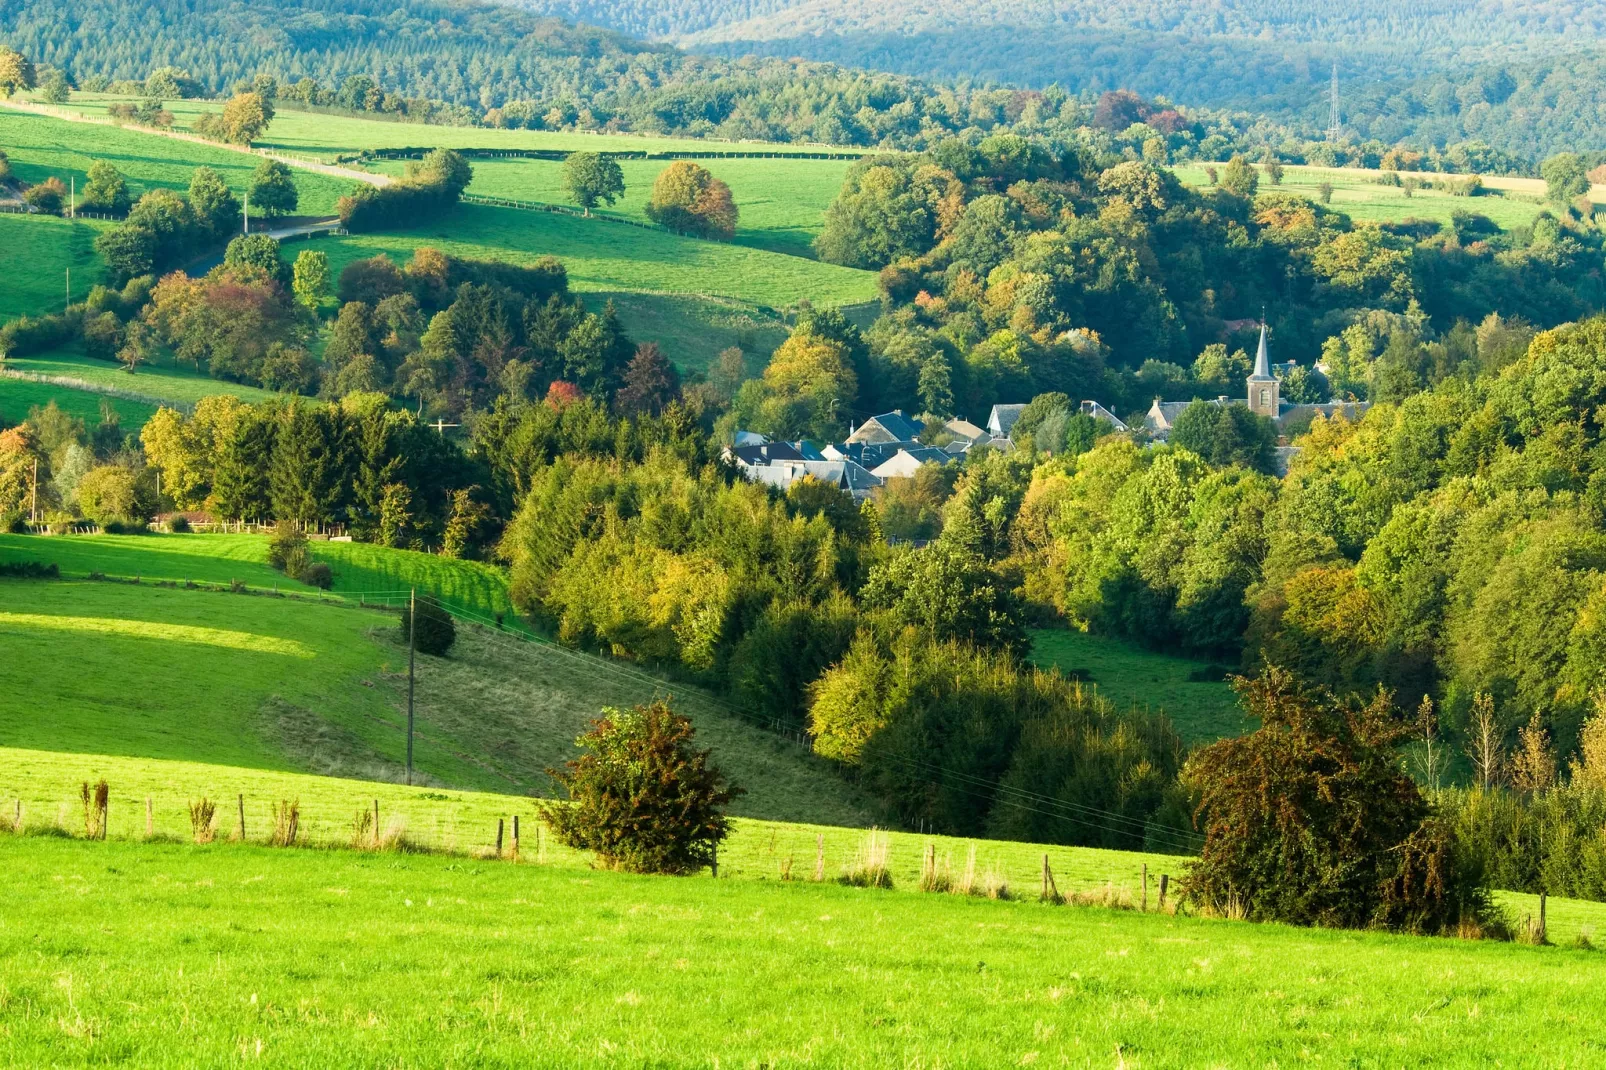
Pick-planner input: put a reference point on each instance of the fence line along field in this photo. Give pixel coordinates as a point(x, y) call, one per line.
point(40, 251)
point(203, 950)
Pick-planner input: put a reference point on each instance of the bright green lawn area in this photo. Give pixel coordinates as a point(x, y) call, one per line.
point(600, 255)
point(1359, 197)
point(174, 954)
point(359, 568)
point(37, 251)
point(1203, 711)
point(17, 396)
point(41, 146)
point(693, 330)
point(782, 202)
point(165, 380)
point(275, 684)
point(318, 134)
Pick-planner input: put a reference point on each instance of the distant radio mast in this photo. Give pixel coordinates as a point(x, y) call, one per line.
point(1334, 128)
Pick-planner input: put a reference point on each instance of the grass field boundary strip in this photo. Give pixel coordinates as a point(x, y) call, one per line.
point(559, 155)
point(333, 170)
point(72, 383)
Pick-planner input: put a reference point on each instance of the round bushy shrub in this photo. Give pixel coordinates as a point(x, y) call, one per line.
point(178, 524)
point(317, 574)
point(642, 796)
point(436, 631)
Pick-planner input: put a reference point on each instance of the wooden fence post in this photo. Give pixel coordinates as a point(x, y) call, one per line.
point(499, 837)
point(1541, 917)
point(515, 837)
point(1043, 892)
point(242, 817)
point(1164, 880)
point(1145, 887)
point(376, 822)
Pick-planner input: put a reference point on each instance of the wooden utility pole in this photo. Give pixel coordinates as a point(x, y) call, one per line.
point(412, 630)
point(33, 495)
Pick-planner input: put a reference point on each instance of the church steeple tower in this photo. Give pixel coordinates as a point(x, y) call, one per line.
point(1264, 388)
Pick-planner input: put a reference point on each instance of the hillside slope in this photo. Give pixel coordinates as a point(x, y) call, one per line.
point(163, 672)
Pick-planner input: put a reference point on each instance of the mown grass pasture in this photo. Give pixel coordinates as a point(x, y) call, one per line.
point(782, 201)
point(602, 256)
point(170, 952)
point(19, 396)
point(1509, 202)
point(38, 253)
point(163, 380)
point(41, 146)
point(295, 685)
point(1192, 693)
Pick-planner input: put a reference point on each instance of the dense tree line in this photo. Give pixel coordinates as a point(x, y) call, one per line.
point(1010, 269)
point(1432, 74)
point(463, 64)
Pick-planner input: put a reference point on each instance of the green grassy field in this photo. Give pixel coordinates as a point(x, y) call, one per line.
point(283, 684)
point(41, 146)
point(174, 954)
point(1129, 676)
point(782, 202)
point(600, 255)
point(1510, 202)
point(164, 380)
point(692, 330)
point(17, 396)
point(38, 252)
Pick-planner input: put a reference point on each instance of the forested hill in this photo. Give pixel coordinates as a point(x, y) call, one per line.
point(1526, 76)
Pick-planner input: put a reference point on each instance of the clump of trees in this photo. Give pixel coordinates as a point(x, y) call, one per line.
point(689, 200)
point(244, 119)
point(429, 187)
point(643, 797)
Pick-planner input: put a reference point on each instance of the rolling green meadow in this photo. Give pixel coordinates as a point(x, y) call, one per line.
point(19, 396)
point(181, 955)
point(163, 380)
point(601, 255)
point(148, 948)
point(39, 252)
point(782, 201)
point(324, 135)
point(1203, 709)
point(41, 146)
point(1509, 202)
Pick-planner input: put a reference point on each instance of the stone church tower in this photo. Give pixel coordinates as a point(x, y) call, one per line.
point(1264, 387)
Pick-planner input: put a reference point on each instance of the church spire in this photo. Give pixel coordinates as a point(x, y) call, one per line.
point(1262, 356)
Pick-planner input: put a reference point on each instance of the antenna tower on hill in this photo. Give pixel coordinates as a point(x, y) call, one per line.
point(1334, 128)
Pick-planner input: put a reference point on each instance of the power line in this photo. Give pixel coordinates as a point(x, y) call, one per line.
point(1335, 127)
point(964, 783)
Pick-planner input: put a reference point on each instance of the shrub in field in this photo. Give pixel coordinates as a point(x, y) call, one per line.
point(1310, 820)
point(286, 539)
point(642, 796)
point(317, 574)
point(433, 632)
point(48, 196)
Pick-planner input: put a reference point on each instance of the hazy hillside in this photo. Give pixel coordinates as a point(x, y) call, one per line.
point(1440, 72)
